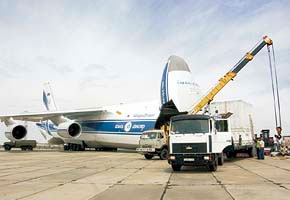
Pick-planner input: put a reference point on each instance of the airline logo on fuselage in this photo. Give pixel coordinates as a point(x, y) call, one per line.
point(130, 126)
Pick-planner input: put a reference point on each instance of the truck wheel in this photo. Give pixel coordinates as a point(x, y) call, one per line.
point(176, 167)
point(163, 154)
point(148, 156)
point(221, 159)
point(7, 147)
point(231, 154)
point(23, 148)
point(250, 152)
point(213, 165)
point(235, 154)
point(30, 148)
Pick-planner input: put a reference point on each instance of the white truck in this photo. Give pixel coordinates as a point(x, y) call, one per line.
point(240, 125)
point(153, 142)
point(195, 141)
point(202, 139)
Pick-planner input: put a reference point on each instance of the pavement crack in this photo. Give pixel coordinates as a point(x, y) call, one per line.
point(166, 187)
point(58, 185)
point(269, 180)
point(271, 165)
point(284, 187)
point(222, 185)
point(24, 172)
point(120, 181)
point(39, 191)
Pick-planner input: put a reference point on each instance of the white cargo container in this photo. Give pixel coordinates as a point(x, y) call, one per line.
point(240, 124)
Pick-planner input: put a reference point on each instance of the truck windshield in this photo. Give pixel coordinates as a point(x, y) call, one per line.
point(148, 135)
point(190, 126)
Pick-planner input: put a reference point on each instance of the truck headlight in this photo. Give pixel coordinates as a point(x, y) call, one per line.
point(172, 157)
point(206, 157)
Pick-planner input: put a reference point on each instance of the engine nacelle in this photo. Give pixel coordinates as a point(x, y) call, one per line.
point(69, 129)
point(16, 132)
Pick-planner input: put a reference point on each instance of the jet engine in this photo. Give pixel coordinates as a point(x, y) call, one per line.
point(69, 129)
point(16, 132)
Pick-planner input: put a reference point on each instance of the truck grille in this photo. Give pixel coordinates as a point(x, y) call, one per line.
point(189, 148)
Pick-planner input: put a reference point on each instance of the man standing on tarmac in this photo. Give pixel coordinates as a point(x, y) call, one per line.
point(261, 150)
point(258, 145)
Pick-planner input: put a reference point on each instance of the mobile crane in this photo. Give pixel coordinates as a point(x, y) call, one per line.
point(193, 138)
point(230, 75)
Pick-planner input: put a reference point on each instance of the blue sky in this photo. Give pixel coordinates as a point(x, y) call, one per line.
point(105, 52)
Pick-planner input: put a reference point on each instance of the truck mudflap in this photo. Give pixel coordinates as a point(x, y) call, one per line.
point(191, 160)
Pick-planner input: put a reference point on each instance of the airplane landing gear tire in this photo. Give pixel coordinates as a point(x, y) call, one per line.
point(65, 147)
point(73, 147)
point(7, 147)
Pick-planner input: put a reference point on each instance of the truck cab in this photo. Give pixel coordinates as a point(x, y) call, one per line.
point(153, 142)
point(194, 140)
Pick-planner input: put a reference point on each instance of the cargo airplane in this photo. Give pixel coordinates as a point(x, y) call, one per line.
point(117, 126)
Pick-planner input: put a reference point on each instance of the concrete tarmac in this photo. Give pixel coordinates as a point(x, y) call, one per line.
point(52, 175)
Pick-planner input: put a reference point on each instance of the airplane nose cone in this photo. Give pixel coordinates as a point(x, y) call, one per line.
point(176, 63)
point(177, 84)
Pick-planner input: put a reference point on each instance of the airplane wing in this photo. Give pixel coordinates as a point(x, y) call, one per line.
point(42, 116)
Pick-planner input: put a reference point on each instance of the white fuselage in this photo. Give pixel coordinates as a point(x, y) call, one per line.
point(119, 127)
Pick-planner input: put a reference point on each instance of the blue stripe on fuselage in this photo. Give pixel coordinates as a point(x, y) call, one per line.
point(126, 127)
point(117, 126)
point(164, 86)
